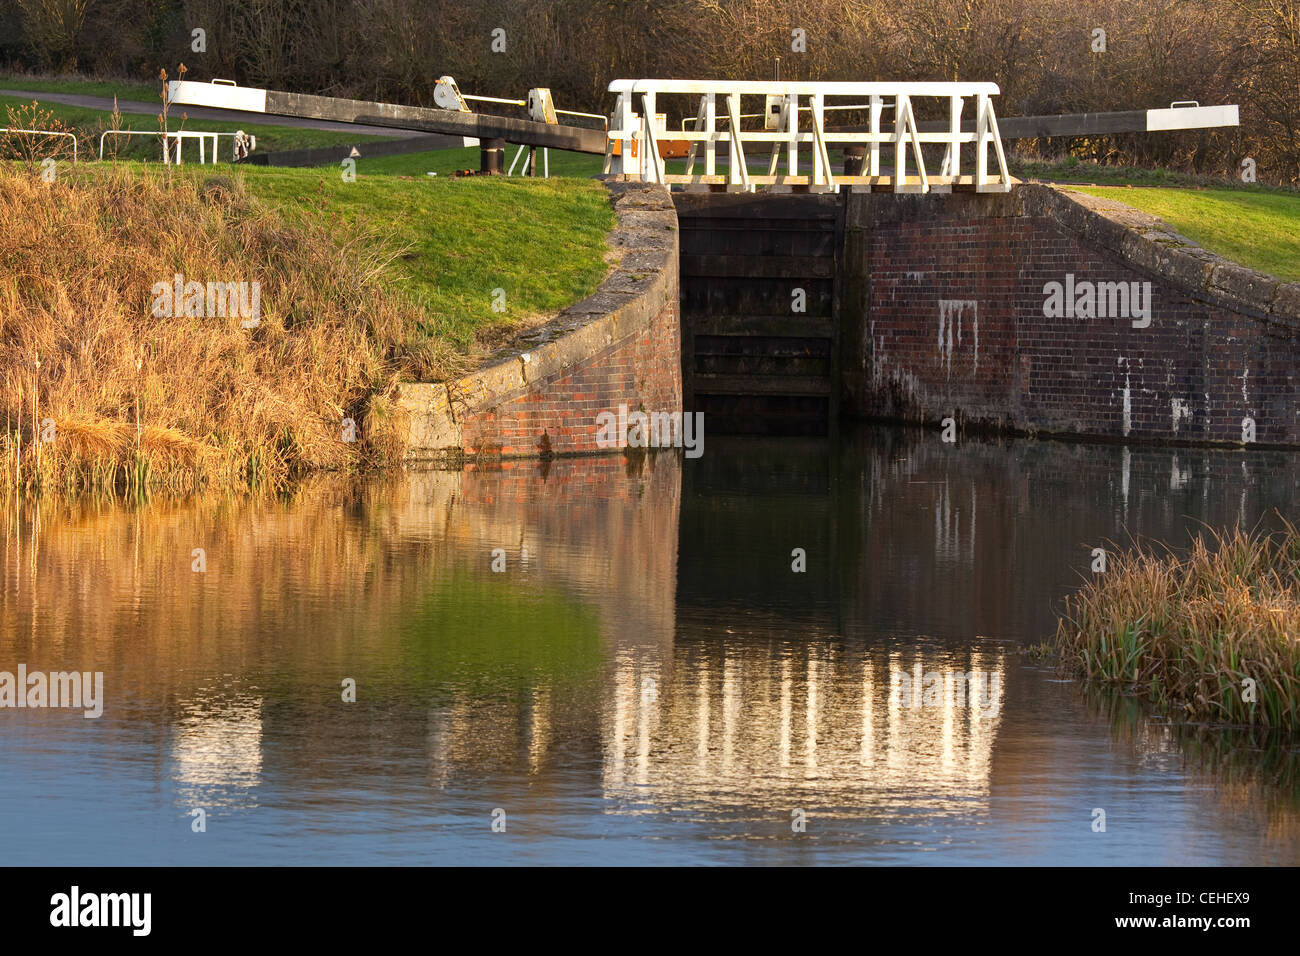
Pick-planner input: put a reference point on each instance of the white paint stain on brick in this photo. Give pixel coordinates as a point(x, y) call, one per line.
point(951, 313)
point(1179, 411)
point(1128, 406)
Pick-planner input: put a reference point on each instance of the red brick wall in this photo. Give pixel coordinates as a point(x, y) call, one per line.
point(558, 414)
point(1192, 375)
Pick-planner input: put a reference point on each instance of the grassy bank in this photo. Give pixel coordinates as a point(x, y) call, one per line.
point(1257, 228)
point(1190, 634)
point(362, 285)
point(1074, 171)
point(453, 242)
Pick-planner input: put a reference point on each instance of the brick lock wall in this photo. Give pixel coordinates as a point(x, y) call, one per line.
point(558, 414)
point(949, 321)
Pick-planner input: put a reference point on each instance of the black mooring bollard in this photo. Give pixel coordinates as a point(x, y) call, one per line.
point(492, 156)
point(855, 158)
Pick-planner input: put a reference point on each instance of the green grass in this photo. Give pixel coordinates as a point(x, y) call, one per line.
point(1260, 230)
point(90, 123)
point(122, 89)
point(1071, 170)
point(444, 162)
point(542, 241)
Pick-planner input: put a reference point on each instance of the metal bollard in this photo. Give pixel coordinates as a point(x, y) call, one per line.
point(855, 158)
point(492, 157)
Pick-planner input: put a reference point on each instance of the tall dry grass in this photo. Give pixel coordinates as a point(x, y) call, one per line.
point(1190, 633)
point(144, 401)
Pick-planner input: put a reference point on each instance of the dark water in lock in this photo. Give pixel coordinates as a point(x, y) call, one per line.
point(646, 681)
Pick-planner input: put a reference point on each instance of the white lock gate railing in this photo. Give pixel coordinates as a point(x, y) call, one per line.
point(795, 118)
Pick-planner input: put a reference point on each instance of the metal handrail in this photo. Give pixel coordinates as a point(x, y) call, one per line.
point(180, 135)
point(802, 109)
point(634, 139)
point(45, 132)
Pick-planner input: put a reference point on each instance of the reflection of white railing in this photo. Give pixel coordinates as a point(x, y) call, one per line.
point(638, 140)
point(178, 136)
point(45, 132)
point(747, 723)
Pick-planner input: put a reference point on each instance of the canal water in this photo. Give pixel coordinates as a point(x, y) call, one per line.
point(616, 661)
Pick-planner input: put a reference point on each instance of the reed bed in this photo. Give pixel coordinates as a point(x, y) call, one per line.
point(180, 402)
point(1191, 633)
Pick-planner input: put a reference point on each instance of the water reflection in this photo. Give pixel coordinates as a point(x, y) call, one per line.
point(742, 724)
point(672, 659)
point(217, 747)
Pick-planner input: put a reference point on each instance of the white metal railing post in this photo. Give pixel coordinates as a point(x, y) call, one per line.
point(821, 157)
point(656, 158)
point(653, 161)
point(737, 170)
point(711, 131)
point(873, 161)
point(774, 159)
point(515, 162)
point(952, 160)
point(900, 149)
point(986, 128)
point(733, 137)
point(643, 152)
point(693, 152)
point(639, 146)
point(1004, 174)
point(623, 123)
point(792, 148)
